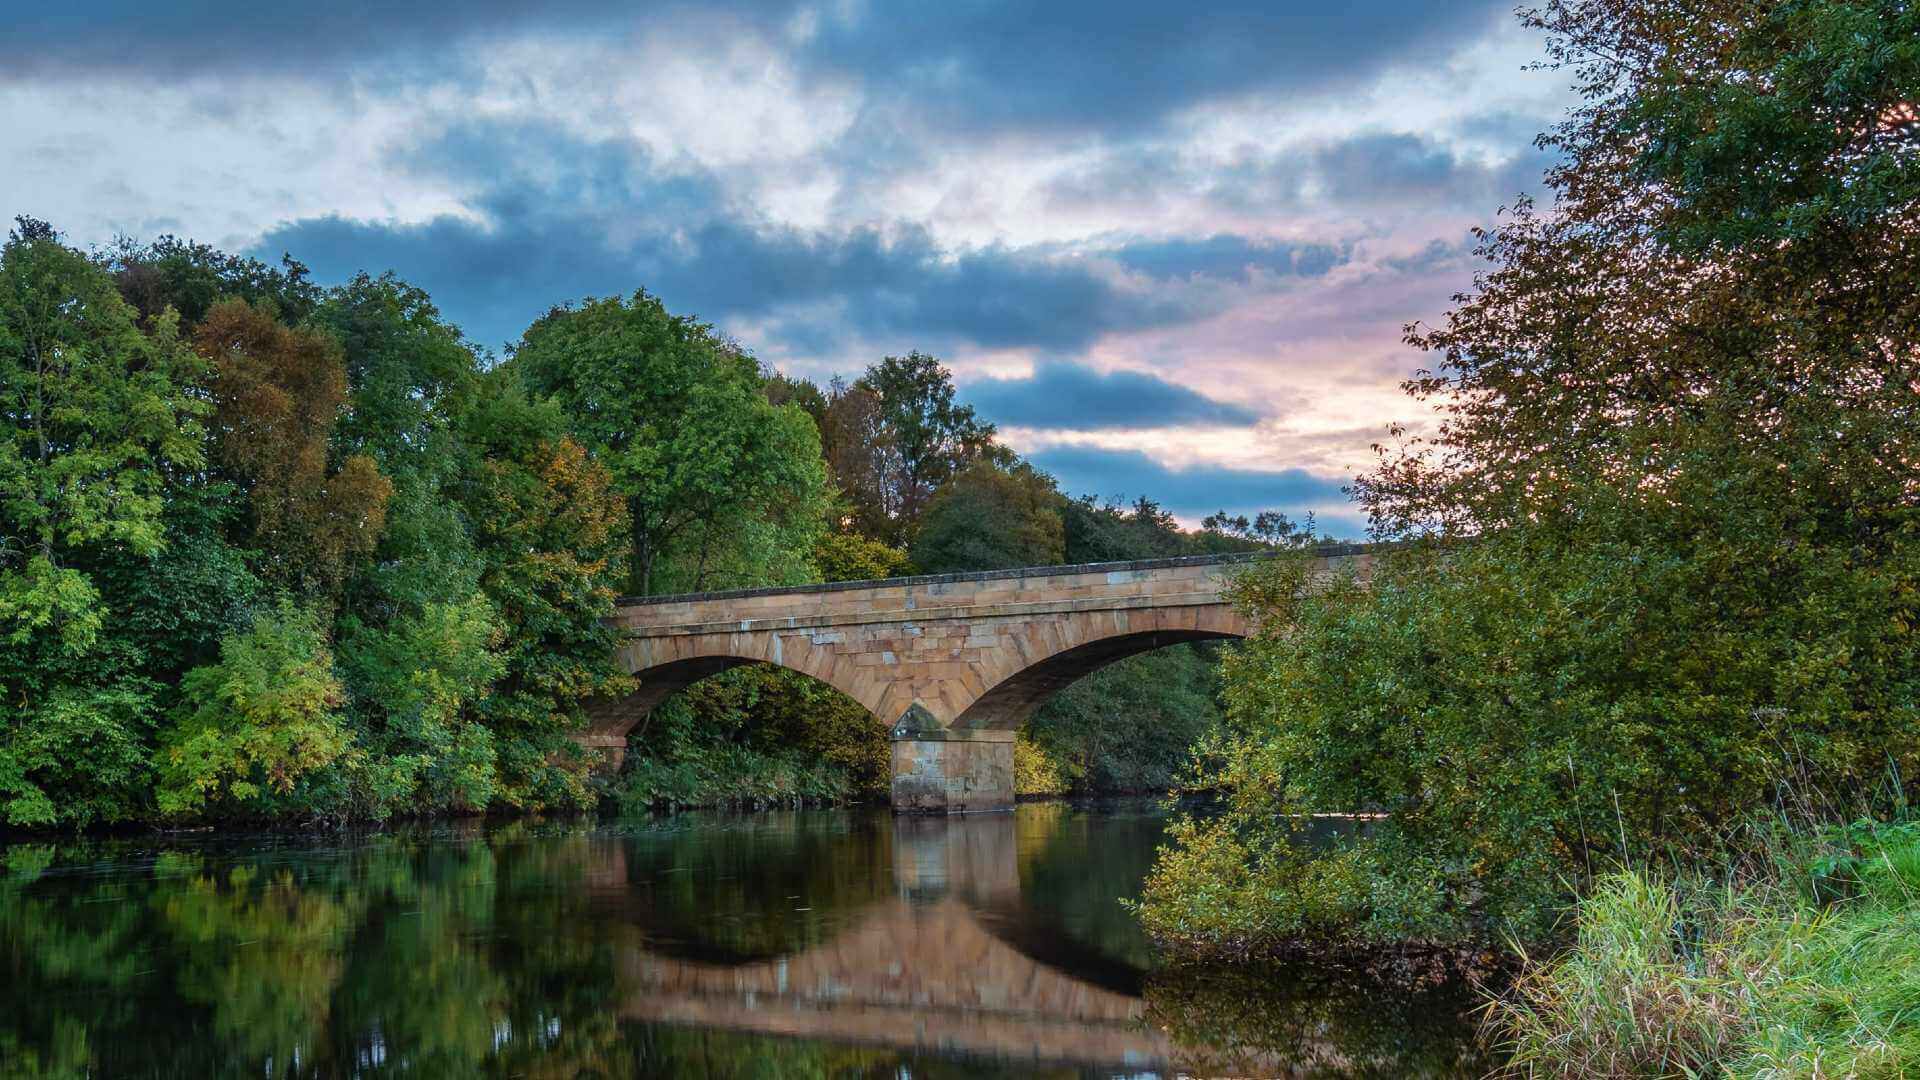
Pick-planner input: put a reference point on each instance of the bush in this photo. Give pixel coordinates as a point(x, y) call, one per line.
point(731, 776)
point(1037, 772)
point(251, 726)
point(1527, 707)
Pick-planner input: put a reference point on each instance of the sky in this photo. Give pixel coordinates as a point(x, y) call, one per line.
point(1169, 249)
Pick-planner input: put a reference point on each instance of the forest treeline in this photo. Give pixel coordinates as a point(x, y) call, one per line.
point(273, 549)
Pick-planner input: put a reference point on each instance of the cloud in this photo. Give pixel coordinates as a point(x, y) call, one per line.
point(555, 218)
point(1074, 397)
point(1192, 493)
point(999, 66)
point(1083, 64)
point(1225, 256)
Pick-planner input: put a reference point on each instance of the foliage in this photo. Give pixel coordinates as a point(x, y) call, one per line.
point(1523, 717)
point(78, 756)
point(1748, 978)
point(849, 556)
point(991, 518)
point(1267, 529)
point(251, 726)
point(94, 412)
point(770, 721)
point(732, 776)
point(723, 487)
point(1036, 772)
point(189, 278)
point(277, 393)
point(408, 371)
point(1665, 568)
point(1094, 531)
point(1132, 726)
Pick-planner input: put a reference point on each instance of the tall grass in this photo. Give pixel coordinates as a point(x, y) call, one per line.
point(1807, 967)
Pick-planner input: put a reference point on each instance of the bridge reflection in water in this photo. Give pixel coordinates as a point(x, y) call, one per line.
point(923, 969)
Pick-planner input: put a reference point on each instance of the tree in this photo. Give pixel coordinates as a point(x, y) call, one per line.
point(722, 486)
point(94, 415)
point(548, 529)
point(250, 727)
point(1668, 577)
point(991, 518)
point(1268, 528)
point(406, 370)
point(189, 278)
point(95, 412)
point(278, 392)
point(896, 436)
point(1109, 532)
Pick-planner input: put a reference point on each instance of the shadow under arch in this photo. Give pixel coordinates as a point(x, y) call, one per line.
point(610, 719)
point(1007, 705)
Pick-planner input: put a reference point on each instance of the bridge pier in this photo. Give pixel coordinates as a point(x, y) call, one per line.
point(952, 771)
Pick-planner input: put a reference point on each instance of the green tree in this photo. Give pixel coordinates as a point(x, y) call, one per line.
point(1668, 577)
point(95, 412)
point(407, 371)
point(722, 487)
point(897, 436)
point(189, 278)
point(991, 518)
point(250, 727)
point(548, 530)
point(94, 415)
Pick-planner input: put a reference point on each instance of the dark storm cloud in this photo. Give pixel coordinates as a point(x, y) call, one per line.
point(820, 290)
point(1375, 170)
point(1096, 63)
point(1225, 256)
point(560, 218)
point(1380, 170)
point(1071, 396)
point(996, 66)
point(1195, 492)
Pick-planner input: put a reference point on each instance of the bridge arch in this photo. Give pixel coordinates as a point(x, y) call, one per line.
point(952, 663)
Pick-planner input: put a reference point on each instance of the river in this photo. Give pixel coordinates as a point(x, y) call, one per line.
point(785, 944)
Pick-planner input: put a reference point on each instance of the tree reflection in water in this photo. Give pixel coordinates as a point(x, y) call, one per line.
point(790, 945)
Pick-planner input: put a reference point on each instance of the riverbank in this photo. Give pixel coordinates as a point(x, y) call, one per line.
point(1805, 964)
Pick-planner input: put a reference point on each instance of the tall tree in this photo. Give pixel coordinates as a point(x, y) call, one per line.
point(722, 486)
point(548, 529)
point(902, 415)
point(278, 391)
point(92, 414)
point(1680, 425)
point(406, 370)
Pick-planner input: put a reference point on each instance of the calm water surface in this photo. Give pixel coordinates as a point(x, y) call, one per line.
point(828, 944)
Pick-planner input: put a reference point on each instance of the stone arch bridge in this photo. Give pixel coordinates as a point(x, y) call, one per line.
point(954, 663)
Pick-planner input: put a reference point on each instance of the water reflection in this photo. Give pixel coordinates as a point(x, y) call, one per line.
point(801, 944)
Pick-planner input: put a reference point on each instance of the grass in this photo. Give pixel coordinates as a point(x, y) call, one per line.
point(1807, 968)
